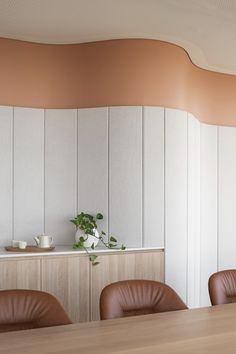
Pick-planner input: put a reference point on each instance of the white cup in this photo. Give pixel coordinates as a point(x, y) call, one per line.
point(15, 243)
point(22, 244)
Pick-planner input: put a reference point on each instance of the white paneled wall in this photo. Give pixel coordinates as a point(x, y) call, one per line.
point(93, 162)
point(57, 162)
point(60, 173)
point(193, 218)
point(6, 174)
point(227, 198)
point(208, 208)
point(176, 200)
point(153, 176)
point(28, 173)
point(125, 174)
point(159, 176)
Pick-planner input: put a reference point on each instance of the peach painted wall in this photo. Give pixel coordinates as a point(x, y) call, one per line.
point(113, 73)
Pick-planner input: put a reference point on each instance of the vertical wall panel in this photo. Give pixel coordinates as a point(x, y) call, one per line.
point(227, 197)
point(120, 168)
point(28, 173)
point(208, 208)
point(60, 173)
point(93, 162)
point(6, 118)
point(193, 270)
point(176, 200)
point(125, 174)
point(153, 176)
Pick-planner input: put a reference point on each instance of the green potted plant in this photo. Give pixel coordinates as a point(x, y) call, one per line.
point(88, 236)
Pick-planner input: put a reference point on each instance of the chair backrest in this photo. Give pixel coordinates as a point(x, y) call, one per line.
point(27, 309)
point(138, 297)
point(222, 287)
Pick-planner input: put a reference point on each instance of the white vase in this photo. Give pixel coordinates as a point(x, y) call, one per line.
point(89, 239)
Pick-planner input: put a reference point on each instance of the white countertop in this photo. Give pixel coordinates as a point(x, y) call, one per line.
point(64, 250)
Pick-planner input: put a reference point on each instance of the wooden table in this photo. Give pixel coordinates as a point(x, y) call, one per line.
point(207, 330)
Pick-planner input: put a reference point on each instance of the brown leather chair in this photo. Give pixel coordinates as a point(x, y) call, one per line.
point(138, 297)
point(222, 287)
point(27, 309)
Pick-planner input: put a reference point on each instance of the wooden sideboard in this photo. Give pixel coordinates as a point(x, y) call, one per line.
point(73, 280)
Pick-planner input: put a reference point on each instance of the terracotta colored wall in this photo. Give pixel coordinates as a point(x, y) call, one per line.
point(111, 73)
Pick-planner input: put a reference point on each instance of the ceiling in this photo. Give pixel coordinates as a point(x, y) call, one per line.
point(205, 28)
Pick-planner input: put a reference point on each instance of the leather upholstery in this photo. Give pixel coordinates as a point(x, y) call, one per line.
point(138, 297)
point(27, 309)
point(222, 287)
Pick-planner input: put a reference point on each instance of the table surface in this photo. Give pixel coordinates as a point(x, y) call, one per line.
point(206, 330)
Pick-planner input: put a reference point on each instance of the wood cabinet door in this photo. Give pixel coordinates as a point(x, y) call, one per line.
point(115, 267)
point(20, 273)
point(67, 278)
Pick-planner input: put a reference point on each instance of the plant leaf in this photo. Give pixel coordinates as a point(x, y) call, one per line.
point(78, 245)
point(93, 257)
point(123, 247)
point(75, 222)
point(90, 217)
point(113, 239)
point(99, 216)
point(111, 245)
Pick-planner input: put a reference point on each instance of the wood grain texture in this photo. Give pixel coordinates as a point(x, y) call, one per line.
point(68, 279)
point(73, 280)
point(21, 273)
point(206, 330)
point(29, 249)
point(112, 268)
